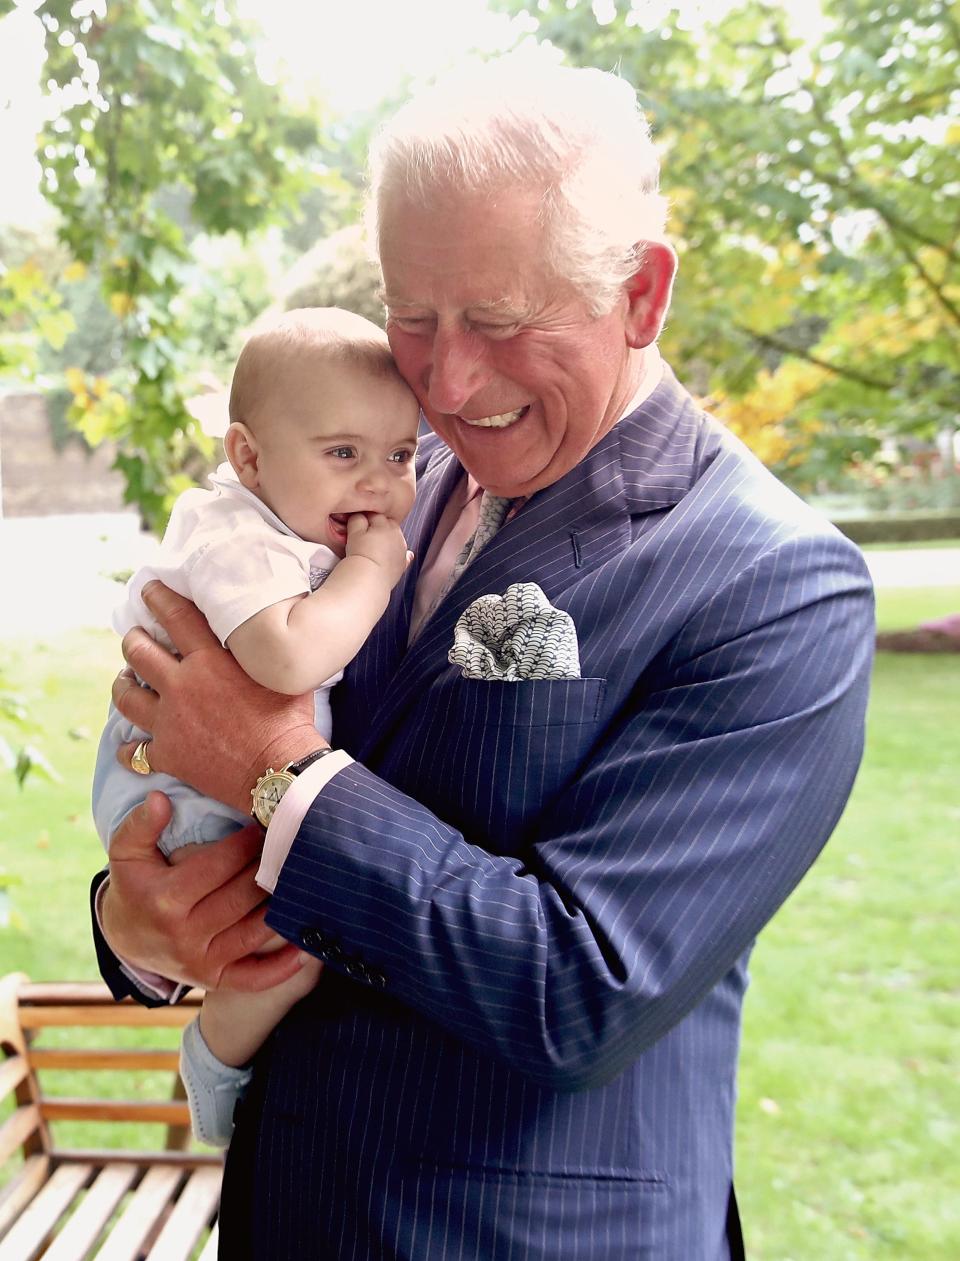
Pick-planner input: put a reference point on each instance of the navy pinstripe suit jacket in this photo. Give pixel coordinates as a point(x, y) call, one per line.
point(536, 900)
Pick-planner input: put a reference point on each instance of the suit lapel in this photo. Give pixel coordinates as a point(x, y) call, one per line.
point(642, 465)
point(566, 528)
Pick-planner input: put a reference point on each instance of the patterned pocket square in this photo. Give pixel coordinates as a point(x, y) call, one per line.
point(518, 635)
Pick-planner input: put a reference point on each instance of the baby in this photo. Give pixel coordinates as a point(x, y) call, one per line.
point(291, 557)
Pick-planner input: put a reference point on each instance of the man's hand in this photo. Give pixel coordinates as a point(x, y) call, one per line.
point(201, 921)
point(381, 540)
point(212, 726)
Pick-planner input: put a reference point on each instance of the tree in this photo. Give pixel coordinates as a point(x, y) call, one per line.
point(814, 188)
point(164, 131)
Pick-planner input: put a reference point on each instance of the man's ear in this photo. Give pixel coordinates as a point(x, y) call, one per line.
point(240, 445)
point(648, 292)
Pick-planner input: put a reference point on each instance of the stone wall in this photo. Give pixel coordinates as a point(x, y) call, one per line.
point(36, 479)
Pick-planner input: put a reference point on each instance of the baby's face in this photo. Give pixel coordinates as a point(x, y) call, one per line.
point(334, 445)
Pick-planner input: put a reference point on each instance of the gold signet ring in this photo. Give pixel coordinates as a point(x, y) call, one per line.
point(139, 761)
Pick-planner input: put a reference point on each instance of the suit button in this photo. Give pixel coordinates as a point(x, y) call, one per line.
point(314, 939)
point(356, 968)
point(377, 979)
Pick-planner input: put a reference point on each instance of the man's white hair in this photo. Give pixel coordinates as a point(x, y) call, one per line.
point(577, 135)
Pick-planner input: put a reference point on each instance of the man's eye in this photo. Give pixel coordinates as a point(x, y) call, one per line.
point(497, 331)
point(411, 323)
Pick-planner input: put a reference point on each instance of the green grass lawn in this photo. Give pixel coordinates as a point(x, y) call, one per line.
point(903, 608)
point(849, 1091)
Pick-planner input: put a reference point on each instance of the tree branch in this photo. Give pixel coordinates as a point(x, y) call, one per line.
point(840, 370)
point(937, 290)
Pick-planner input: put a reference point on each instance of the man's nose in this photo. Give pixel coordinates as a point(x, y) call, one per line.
point(456, 370)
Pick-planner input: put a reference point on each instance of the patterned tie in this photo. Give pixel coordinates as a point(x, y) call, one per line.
point(493, 513)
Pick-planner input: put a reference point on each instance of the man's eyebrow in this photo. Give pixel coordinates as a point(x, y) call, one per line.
point(394, 299)
point(488, 306)
point(495, 306)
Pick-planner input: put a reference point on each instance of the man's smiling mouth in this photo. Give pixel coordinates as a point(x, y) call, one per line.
point(503, 421)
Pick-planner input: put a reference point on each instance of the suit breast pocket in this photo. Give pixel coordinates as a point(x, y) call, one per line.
point(489, 757)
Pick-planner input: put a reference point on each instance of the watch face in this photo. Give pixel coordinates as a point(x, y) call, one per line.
point(268, 792)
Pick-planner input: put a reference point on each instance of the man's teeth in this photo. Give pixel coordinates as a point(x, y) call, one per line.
point(496, 422)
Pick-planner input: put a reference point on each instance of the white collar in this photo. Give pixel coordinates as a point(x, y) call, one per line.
point(226, 482)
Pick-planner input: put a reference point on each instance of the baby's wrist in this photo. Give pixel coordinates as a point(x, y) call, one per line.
point(370, 566)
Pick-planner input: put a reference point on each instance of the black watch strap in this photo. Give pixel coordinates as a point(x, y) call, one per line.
point(295, 768)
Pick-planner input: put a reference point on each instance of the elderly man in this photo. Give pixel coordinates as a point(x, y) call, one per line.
point(535, 893)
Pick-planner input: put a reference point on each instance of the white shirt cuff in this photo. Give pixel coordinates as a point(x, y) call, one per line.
point(294, 804)
point(151, 983)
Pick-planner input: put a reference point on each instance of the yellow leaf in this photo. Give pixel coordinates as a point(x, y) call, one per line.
point(76, 381)
point(121, 304)
point(75, 271)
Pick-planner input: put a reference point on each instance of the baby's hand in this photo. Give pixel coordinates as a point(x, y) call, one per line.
point(381, 540)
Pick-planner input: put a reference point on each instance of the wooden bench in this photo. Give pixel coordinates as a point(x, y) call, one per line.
point(62, 1203)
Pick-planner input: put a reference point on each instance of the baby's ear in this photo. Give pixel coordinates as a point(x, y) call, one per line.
point(240, 445)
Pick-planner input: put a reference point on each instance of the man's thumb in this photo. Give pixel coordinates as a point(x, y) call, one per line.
point(139, 832)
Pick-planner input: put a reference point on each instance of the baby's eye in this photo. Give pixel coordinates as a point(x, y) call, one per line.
point(401, 457)
point(342, 453)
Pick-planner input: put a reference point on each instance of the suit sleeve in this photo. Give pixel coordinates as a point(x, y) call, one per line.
point(706, 798)
point(120, 984)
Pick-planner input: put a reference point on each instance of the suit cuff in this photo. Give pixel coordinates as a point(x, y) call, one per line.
point(290, 813)
point(150, 983)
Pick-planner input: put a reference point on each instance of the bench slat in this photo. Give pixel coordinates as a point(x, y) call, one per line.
point(89, 993)
point(102, 1155)
point(26, 1237)
point(140, 1215)
point(190, 1217)
point(42, 1058)
point(17, 1129)
point(83, 1229)
point(19, 1191)
point(116, 1016)
point(12, 1072)
point(67, 1203)
point(165, 1111)
point(210, 1247)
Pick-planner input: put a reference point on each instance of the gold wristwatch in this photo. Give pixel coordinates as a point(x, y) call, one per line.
point(268, 791)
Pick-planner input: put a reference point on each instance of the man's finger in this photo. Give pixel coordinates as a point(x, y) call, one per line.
point(262, 972)
point(183, 621)
point(137, 704)
point(231, 904)
point(125, 754)
point(148, 659)
point(250, 936)
point(136, 837)
point(220, 876)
